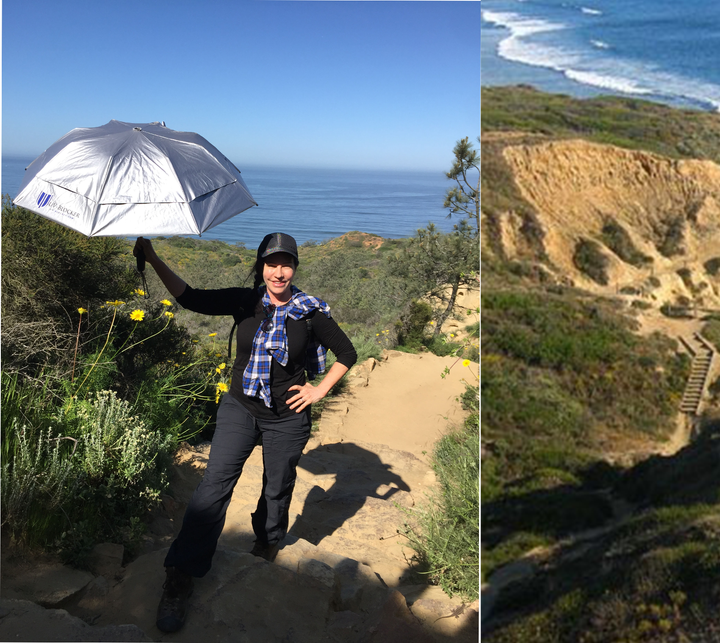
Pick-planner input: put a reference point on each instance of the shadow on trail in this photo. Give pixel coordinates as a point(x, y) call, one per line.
point(360, 474)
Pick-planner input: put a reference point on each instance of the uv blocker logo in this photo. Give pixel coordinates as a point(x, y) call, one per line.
point(47, 199)
point(43, 199)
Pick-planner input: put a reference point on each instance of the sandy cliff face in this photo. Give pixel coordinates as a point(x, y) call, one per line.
point(670, 210)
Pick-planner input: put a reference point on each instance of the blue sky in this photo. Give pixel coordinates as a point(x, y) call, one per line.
point(376, 85)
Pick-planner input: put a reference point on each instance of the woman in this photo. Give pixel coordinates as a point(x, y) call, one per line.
point(269, 397)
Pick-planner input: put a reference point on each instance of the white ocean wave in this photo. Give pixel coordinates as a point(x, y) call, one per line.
point(640, 80)
point(591, 12)
point(595, 66)
point(518, 47)
point(613, 83)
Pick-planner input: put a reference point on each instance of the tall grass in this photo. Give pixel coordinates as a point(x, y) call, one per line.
point(445, 536)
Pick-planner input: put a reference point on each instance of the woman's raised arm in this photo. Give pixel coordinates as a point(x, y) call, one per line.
point(174, 284)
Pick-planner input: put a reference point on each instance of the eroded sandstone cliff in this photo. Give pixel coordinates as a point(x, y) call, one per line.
point(650, 223)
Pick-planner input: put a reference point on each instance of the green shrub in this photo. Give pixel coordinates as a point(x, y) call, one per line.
point(711, 332)
point(446, 540)
point(673, 238)
point(590, 260)
point(36, 482)
point(712, 266)
point(615, 237)
point(48, 272)
point(93, 477)
point(411, 327)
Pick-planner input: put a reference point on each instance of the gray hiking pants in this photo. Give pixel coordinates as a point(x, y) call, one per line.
point(236, 435)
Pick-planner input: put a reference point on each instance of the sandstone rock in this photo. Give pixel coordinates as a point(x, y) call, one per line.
point(268, 603)
point(318, 570)
point(396, 623)
point(356, 583)
point(93, 597)
point(46, 585)
point(293, 551)
point(26, 621)
point(345, 627)
point(447, 618)
point(106, 559)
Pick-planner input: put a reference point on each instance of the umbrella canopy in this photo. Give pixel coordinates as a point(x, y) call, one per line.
point(133, 179)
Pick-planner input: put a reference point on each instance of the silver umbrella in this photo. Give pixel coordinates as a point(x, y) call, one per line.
point(134, 179)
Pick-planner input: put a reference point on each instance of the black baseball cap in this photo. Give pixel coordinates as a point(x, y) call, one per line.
point(278, 242)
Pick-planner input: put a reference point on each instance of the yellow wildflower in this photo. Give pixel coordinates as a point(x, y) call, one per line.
point(466, 362)
point(165, 302)
point(137, 315)
point(139, 292)
point(82, 310)
point(212, 334)
point(222, 366)
point(220, 388)
point(115, 303)
point(169, 315)
point(432, 322)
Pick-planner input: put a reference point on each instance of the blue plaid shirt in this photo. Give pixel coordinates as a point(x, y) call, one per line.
point(266, 345)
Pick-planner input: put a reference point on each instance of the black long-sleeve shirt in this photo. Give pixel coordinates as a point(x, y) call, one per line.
point(245, 306)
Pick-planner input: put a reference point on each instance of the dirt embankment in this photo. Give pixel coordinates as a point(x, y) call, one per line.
point(668, 209)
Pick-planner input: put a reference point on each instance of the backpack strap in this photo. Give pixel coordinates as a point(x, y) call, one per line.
point(232, 331)
point(238, 316)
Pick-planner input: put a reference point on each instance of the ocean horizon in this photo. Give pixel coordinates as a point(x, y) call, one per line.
point(652, 49)
point(319, 204)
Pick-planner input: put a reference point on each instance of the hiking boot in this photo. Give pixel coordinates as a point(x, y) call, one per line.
point(171, 612)
point(265, 550)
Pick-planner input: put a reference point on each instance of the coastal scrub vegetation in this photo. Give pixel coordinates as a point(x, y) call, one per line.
point(566, 385)
point(605, 540)
point(447, 541)
point(626, 122)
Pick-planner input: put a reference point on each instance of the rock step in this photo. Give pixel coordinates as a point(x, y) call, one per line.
point(306, 595)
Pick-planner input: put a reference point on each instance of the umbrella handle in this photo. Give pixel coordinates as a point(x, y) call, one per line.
point(140, 260)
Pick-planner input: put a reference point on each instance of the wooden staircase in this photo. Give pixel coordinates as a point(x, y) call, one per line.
point(703, 354)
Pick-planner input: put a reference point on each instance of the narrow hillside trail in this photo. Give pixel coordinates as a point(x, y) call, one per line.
point(344, 572)
point(682, 330)
point(525, 568)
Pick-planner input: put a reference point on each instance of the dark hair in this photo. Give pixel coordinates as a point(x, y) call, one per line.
point(257, 273)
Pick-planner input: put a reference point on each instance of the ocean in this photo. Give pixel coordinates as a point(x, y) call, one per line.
point(660, 50)
point(316, 205)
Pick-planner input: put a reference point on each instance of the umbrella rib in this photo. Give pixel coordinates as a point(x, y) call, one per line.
point(103, 182)
point(204, 149)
